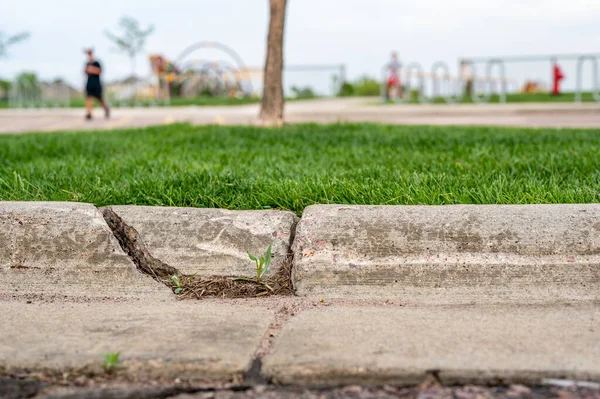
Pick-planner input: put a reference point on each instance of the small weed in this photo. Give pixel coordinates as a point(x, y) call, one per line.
point(177, 284)
point(262, 264)
point(111, 362)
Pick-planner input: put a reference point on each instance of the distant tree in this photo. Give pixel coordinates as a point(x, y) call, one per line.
point(271, 111)
point(5, 86)
point(133, 39)
point(28, 84)
point(7, 41)
point(27, 79)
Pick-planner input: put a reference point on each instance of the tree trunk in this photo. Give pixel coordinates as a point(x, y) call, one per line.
point(271, 112)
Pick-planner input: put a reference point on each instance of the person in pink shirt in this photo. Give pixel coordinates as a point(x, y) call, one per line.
point(394, 87)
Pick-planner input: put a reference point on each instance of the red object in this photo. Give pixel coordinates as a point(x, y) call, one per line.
point(393, 81)
point(558, 76)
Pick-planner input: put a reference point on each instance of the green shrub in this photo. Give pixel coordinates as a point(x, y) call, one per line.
point(367, 86)
point(363, 86)
point(303, 92)
point(346, 90)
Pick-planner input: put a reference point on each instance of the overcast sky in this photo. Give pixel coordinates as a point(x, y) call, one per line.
point(358, 33)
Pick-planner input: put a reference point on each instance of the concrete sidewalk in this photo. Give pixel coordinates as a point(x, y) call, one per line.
point(319, 111)
point(304, 342)
point(70, 294)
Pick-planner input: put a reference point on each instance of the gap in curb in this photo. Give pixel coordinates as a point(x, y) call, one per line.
point(192, 286)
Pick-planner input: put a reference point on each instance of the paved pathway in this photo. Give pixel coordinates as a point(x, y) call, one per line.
point(321, 111)
point(70, 292)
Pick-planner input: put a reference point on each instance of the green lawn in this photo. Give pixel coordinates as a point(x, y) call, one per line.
point(300, 165)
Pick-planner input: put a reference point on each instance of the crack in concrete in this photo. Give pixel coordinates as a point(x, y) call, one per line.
point(132, 244)
point(254, 375)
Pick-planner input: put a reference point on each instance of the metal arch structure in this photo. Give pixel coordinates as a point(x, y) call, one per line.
point(202, 64)
point(415, 66)
point(241, 66)
point(446, 77)
point(225, 72)
point(214, 45)
point(488, 69)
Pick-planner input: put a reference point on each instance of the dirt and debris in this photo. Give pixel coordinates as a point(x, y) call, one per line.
point(14, 388)
point(199, 287)
point(195, 287)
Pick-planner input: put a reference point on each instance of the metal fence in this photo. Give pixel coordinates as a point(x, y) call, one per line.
point(480, 87)
point(39, 95)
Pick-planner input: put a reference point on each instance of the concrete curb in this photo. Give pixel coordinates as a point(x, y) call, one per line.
point(449, 254)
point(207, 241)
point(65, 250)
point(463, 293)
point(422, 254)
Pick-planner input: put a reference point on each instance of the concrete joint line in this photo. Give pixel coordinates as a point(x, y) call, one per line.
point(255, 375)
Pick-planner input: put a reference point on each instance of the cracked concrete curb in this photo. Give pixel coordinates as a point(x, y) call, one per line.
point(132, 244)
point(449, 254)
point(211, 242)
point(422, 254)
point(61, 250)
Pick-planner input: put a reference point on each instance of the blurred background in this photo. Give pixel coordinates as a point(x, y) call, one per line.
point(213, 51)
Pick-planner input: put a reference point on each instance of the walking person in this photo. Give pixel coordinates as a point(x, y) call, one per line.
point(93, 88)
point(394, 86)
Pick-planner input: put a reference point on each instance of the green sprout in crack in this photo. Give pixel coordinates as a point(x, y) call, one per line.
point(111, 362)
point(262, 264)
point(177, 284)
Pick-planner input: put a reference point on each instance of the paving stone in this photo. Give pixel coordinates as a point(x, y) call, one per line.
point(458, 344)
point(193, 340)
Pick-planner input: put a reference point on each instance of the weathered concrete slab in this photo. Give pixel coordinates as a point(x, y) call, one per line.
point(468, 344)
point(449, 254)
point(65, 250)
point(195, 340)
point(208, 241)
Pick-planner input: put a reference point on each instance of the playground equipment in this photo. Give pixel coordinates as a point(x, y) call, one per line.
point(532, 87)
point(189, 78)
point(481, 88)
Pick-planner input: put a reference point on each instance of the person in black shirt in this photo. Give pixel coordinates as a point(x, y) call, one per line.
point(93, 88)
